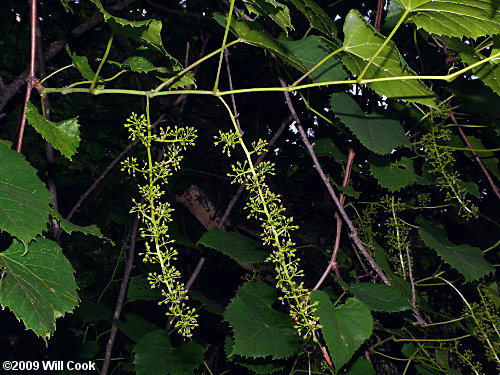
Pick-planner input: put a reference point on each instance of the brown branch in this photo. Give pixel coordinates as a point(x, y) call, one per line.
point(333, 260)
point(31, 75)
point(49, 150)
point(494, 187)
point(121, 295)
point(54, 48)
point(233, 100)
point(378, 14)
point(353, 233)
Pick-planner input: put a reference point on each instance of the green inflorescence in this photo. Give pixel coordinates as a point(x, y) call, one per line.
point(266, 207)
point(440, 161)
point(156, 214)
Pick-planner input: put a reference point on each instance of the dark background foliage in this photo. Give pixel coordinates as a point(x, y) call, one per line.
point(189, 32)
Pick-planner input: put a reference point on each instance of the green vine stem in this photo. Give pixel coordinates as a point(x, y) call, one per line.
point(104, 58)
point(156, 92)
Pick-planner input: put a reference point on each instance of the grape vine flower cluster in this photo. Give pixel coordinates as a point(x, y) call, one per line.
point(266, 207)
point(156, 214)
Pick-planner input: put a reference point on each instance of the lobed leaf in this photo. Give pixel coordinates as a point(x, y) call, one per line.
point(154, 354)
point(81, 63)
point(311, 51)
point(24, 199)
point(393, 176)
point(361, 42)
point(259, 330)
point(63, 136)
point(345, 327)
point(147, 31)
point(467, 260)
point(380, 297)
point(38, 287)
point(316, 16)
point(253, 33)
point(234, 245)
point(488, 72)
point(278, 12)
point(376, 132)
point(471, 18)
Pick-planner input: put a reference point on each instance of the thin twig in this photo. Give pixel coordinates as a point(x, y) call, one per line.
point(418, 318)
point(233, 100)
point(49, 149)
point(353, 233)
point(121, 295)
point(412, 282)
point(55, 47)
point(31, 76)
point(494, 187)
point(378, 14)
point(333, 260)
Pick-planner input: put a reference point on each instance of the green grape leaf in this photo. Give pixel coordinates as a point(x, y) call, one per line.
point(69, 227)
point(38, 287)
point(278, 12)
point(316, 16)
point(140, 289)
point(24, 199)
point(380, 297)
point(253, 33)
point(393, 176)
point(234, 245)
point(63, 136)
point(81, 63)
point(135, 327)
point(467, 260)
point(259, 330)
point(361, 42)
point(311, 51)
point(345, 327)
point(147, 31)
point(488, 72)
point(260, 366)
point(325, 146)
point(154, 354)
point(141, 64)
point(471, 18)
point(209, 304)
point(361, 367)
point(376, 132)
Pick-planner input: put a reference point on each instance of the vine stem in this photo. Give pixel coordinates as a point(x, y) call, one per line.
point(101, 64)
point(226, 32)
point(156, 92)
point(306, 74)
point(333, 260)
point(353, 232)
point(193, 65)
point(31, 75)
